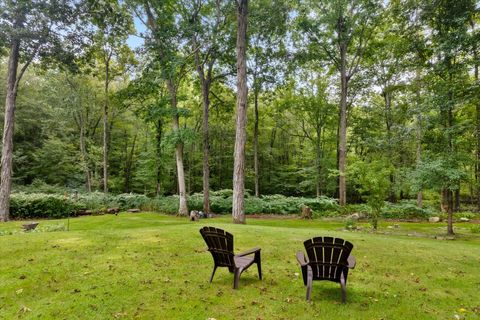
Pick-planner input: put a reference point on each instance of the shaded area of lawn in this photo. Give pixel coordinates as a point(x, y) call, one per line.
point(150, 266)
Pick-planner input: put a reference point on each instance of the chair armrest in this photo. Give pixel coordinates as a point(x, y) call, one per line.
point(351, 262)
point(301, 259)
point(246, 253)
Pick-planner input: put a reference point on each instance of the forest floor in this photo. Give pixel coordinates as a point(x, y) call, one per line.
point(152, 266)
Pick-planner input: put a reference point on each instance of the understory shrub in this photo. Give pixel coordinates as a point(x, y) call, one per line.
point(405, 209)
point(40, 205)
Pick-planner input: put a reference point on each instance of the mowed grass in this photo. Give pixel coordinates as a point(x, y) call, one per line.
point(151, 266)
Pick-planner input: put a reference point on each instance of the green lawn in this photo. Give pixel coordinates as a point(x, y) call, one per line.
point(150, 266)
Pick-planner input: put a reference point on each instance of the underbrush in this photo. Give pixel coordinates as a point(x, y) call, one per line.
point(54, 205)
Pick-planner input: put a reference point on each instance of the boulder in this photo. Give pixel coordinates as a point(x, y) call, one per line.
point(463, 219)
point(133, 210)
point(434, 219)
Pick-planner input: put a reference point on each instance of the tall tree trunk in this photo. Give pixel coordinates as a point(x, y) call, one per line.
point(418, 134)
point(477, 130)
point(387, 96)
point(84, 155)
point(105, 127)
point(342, 144)
point(206, 148)
point(182, 207)
point(238, 210)
point(128, 162)
point(255, 144)
point(158, 150)
point(7, 150)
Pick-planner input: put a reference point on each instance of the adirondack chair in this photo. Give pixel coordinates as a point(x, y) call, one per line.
point(220, 245)
point(328, 259)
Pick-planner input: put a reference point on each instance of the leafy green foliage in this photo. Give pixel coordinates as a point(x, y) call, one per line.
point(24, 206)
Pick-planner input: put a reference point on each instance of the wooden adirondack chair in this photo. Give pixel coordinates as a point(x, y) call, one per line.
point(220, 245)
point(328, 259)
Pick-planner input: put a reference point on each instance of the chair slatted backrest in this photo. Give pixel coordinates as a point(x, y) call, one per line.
point(220, 245)
point(328, 257)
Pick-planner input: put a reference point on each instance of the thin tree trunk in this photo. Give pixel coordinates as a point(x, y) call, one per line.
point(477, 132)
point(388, 122)
point(158, 149)
point(318, 162)
point(255, 145)
point(182, 207)
point(206, 148)
point(7, 150)
point(342, 146)
point(105, 128)
point(84, 156)
point(418, 135)
point(238, 210)
point(450, 212)
point(129, 162)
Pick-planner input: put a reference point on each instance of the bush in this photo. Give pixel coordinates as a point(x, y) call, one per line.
point(40, 205)
point(405, 209)
point(475, 228)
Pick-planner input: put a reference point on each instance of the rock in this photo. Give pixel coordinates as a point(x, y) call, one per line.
point(29, 226)
point(390, 227)
point(133, 210)
point(434, 219)
point(113, 210)
point(463, 219)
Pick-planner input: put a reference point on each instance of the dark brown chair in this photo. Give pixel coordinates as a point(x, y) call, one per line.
point(328, 259)
point(220, 245)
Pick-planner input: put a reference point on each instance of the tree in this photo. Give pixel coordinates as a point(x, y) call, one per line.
point(267, 32)
point(208, 23)
point(340, 30)
point(449, 23)
point(238, 210)
point(32, 30)
point(114, 24)
point(165, 45)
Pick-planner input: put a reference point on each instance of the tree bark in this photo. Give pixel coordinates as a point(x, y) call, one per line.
point(84, 155)
point(255, 145)
point(238, 210)
point(477, 130)
point(8, 128)
point(182, 207)
point(206, 148)
point(105, 127)
point(342, 145)
point(158, 149)
point(418, 134)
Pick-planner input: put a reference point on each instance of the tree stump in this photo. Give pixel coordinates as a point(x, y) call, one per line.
point(194, 215)
point(306, 212)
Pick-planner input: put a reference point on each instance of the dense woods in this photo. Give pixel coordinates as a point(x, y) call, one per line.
point(363, 101)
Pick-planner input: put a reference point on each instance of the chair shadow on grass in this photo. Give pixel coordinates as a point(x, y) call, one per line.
point(329, 292)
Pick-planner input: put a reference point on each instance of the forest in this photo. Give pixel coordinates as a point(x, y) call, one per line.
point(361, 101)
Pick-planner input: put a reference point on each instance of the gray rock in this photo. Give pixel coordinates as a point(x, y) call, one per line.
point(434, 219)
point(463, 219)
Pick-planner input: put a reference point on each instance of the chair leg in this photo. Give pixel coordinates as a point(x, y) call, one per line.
point(259, 264)
point(309, 282)
point(213, 273)
point(343, 288)
point(236, 278)
point(309, 289)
